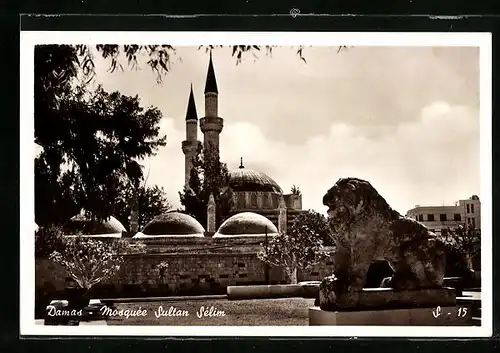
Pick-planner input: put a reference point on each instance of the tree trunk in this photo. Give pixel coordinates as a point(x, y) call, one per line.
point(292, 275)
point(468, 261)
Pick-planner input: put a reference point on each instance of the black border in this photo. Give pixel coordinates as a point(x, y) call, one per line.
point(10, 134)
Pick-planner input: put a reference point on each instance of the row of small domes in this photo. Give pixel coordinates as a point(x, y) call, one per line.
point(173, 223)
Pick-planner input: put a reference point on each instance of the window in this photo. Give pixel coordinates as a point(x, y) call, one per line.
point(266, 201)
point(430, 217)
point(241, 201)
point(468, 208)
point(471, 208)
point(457, 217)
point(442, 217)
point(421, 217)
point(253, 198)
point(473, 222)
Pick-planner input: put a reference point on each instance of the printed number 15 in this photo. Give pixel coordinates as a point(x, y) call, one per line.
point(462, 312)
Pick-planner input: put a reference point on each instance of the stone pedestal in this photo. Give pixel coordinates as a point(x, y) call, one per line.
point(448, 316)
point(385, 298)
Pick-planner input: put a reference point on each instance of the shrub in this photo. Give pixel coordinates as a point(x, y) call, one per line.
point(90, 261)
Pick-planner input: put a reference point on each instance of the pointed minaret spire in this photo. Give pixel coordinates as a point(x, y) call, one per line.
point(241, 163)
point(191, 113)
point(211, 83)
point(191, 145)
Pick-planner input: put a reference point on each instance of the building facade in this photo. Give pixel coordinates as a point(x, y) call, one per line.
point(465, 212)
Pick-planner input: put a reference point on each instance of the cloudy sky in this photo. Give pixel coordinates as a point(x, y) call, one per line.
point(404, 118)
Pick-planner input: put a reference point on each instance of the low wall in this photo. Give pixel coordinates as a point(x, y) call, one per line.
point(195, 266)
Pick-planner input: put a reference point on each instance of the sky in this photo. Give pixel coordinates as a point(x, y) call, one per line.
point(406, 119)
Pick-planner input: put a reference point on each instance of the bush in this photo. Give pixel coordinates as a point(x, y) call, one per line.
point(90, 261)
point(48, 240)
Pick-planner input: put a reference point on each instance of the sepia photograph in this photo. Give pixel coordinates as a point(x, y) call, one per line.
point(298, 184)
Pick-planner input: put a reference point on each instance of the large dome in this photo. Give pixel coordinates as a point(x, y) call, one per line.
point(85, 226)
point(246, 223)
point(173, 223)
point(244, 179)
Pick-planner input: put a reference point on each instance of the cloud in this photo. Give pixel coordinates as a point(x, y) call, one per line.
point(429, 160)
point(406, 119)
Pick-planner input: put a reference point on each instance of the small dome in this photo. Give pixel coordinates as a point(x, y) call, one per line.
point(173, 224)
point(85, 226)
point(246, 223)
point(244, 179)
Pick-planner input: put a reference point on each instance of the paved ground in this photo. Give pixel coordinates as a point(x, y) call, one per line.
point(268, 312)
point(475, 295)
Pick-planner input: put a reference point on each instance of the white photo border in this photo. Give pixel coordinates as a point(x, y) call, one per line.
point(28, 40)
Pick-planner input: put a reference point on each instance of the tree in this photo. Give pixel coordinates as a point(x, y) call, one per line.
point(317, 223)
point(90, 261)
point(60, 193)
point(159, 57)
point(208, 176)
point(48, 240)
point(152, 201)
point(296, 190)
point(91, 141)
point(300, 247)
point(464, 240)
point(162, 268)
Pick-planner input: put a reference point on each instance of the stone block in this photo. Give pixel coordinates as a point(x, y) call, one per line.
point(385, 298)
point(448, 316)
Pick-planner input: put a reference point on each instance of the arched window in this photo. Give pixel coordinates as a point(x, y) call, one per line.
point(253, 200)
point(266, 200)
point(274, 201)
point(241, 200)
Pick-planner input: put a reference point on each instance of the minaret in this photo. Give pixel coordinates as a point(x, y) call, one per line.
point(211, 214)
point(191, 145)
point(282, 219)
point(211, 125)
point(134, 213)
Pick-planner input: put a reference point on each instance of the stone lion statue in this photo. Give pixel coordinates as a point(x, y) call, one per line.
point(367, 229)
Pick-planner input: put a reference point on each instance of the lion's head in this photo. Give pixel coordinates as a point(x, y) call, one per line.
point(350, 198)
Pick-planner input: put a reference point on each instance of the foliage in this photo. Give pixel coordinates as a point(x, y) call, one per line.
point(465, 240)
point(159, 57)
point(316, 222)
point(301, 247)
point(162, 269)
point(90, 261)
point(296, 190)
point(152, 201)
point(48, 240)
point(68, 118)
point(91, 141)
point(208, 176)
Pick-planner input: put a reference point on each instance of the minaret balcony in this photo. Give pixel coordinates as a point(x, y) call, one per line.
point(191, 146)
point(211, 124)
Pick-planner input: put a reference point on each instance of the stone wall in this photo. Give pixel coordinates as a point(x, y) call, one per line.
point(195, 266)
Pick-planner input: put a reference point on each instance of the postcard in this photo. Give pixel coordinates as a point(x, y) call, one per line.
point(256, 184)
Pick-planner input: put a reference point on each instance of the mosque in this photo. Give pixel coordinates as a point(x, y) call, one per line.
point(201, 259)
point(257, 200)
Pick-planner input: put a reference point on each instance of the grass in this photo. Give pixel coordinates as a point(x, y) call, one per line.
point(254, 312)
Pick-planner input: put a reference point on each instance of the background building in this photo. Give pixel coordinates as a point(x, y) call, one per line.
point(464, 212)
